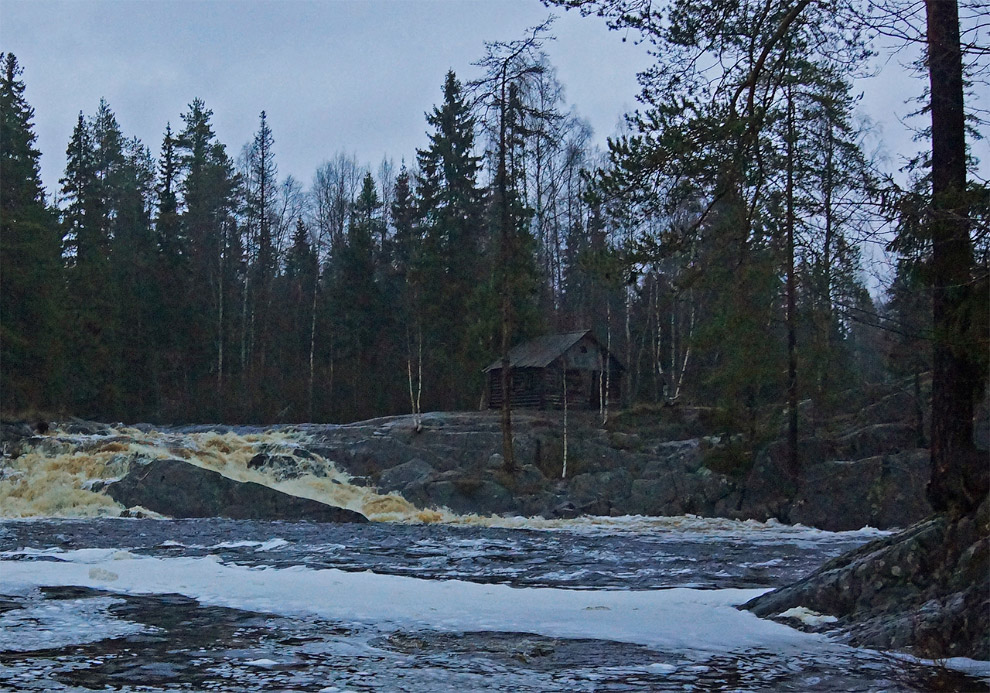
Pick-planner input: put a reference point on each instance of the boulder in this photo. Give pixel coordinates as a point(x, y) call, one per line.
point(624, 441)
point(495, 461)
point(415, 471)
point(884, 491)
point(528, 479)
point(178, 489)
point(655, 496)
point(15, 438)
point(492, 497)
point(564, 511)
point(926, 589)
point(876, 439)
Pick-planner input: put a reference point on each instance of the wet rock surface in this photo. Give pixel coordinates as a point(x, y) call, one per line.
point(863, 474)
point(178, 489)
point(859, 469)
point(925, 590)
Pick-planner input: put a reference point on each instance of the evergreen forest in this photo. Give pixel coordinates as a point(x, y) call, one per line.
point(722, 246)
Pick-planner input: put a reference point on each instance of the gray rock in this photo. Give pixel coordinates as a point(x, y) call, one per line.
point(625, 441)
point(926, 589)
point(566, 510)
point(529, 479)
point(876, 439)
point(654, 496)
point(686, 454)
point(283, 467)
point(493, 498)
point(179, 489)
point(442, 494)
point(464, 495)
point(415, 471)
point(884, 491)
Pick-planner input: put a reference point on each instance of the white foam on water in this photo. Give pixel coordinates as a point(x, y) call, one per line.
point(55, 623)
point(259, 546)
point(807, 616)
point(680, 619)
point(56, 478)
point(976, 668)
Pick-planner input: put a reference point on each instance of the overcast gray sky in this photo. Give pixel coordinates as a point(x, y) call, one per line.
point(333, 75)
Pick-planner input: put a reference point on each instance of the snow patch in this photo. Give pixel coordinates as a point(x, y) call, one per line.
point(262, 663)
point(807, 616)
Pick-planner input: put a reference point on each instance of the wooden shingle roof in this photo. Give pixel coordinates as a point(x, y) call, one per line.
point(541, 351)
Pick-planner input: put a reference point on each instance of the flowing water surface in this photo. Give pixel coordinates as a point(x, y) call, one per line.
point(237, 605)
point(416, 601)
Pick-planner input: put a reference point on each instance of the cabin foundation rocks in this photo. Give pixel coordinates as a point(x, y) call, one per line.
point(861, 469)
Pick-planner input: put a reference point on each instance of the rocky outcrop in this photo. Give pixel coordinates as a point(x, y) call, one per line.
point(861, 468)
point(925, 590)
point(179, 489)
point(883, 490)
point(645, 468)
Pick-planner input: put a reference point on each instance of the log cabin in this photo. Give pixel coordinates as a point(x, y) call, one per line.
point(546, 369)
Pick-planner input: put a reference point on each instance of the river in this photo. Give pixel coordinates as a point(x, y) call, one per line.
point(420, 602)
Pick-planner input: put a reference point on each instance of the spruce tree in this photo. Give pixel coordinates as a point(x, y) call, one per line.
point(138, 297)
point(360, 310)
point(92, 337)
point(30, 260)
point(260, 194)
point(209, 197)
point(404, 223)
point(171, 243)
point(451, 262)
point(294, 320)
point(110, 247)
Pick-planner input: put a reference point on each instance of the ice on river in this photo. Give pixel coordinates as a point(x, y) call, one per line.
point(675, 619)
point(227, 605)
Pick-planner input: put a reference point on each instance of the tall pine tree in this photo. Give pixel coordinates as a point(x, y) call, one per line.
point(30, 259)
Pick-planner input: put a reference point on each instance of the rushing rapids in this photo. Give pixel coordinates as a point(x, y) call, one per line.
point(63, 475)
point(418, 599)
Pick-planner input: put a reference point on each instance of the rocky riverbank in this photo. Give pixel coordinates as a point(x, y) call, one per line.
point(862, 470)
point(925, 590)
point(663, 462)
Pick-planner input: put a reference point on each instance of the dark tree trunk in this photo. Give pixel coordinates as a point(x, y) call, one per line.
point(959, 472)
point(509, 460)
point(793, 462)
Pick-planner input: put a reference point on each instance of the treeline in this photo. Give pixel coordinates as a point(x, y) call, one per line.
point(197, 286)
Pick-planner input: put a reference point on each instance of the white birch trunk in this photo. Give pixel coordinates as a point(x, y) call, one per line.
point(563, 473)
point(607, 372)
point(687, 350)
